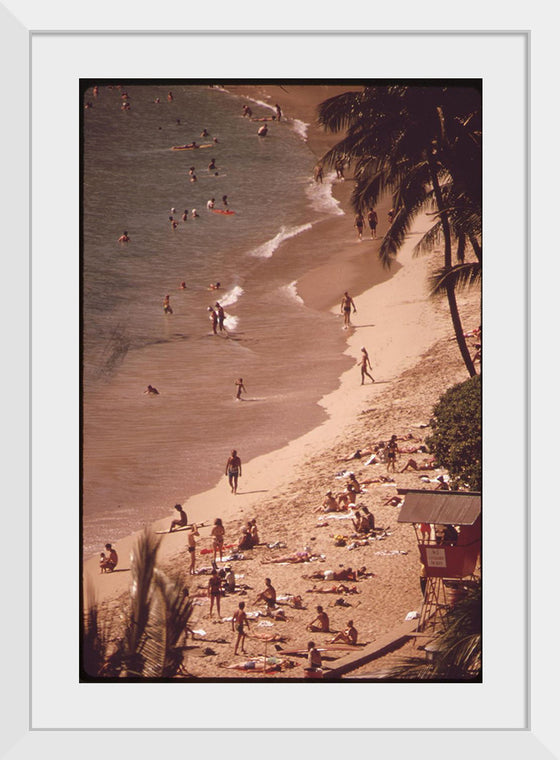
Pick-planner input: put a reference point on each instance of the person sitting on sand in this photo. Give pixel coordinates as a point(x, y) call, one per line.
point(151, 391)
point(229, 580)
point(329, 504)
point(181, 522)
point(246, 541)
point(314, 661)
point(321, 623)
point(218, 532)
point(254, 532)
point(344, 501)
point(268, 596)
point(369, 518)
point(353, 483)
point(110, 561)
point(360, 523)
point(238, 623)
point(427, 464)
point(348, 636)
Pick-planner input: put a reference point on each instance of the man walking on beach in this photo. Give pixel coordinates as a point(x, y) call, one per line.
point(238, 623)
point(233, 470)
point(345, 307)
point(372, 221)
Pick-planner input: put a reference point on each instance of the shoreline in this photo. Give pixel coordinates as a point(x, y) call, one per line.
point(406, 335)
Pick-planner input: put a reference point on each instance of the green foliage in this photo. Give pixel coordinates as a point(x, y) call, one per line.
point(156, 617)
point(456, 440)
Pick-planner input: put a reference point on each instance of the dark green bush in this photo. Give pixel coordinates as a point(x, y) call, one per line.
point(456, 441)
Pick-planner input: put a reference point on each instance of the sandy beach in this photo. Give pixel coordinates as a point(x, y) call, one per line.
point(414, 359)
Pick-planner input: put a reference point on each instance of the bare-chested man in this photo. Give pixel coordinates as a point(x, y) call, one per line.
point(346, 305)
point(330, 504)
point(181, 521)
point(233, 470)
point(321, 622)
point(364, 364)
point(268, 596)
point(238, 623)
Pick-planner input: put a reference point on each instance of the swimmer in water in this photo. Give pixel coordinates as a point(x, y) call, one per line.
point(169, 95)
point(124, 237)
point(194, 214)
point(212, 165)
point(224, 200)
point(210, 204)
point(183, 285)
point(213, 286)
point(151, 391)
point(185, 215)
point(240, 387)
point(205, 133)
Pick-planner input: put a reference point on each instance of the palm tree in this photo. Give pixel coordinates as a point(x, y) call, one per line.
point(156, 618)
point(458, 646)
point(421, 144)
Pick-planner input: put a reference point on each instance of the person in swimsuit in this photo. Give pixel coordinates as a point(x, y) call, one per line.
point(221, 315)
point(111, 560)
point(391, 453)
point(348, 636)
point(151, 391)
point(346, 306)
point(240, 387)
point(124, 237)
point(364, 364)
point(233, 470)
point(212, 165)
point(359, 224)
point(191, 547)
point(181, 522)
point(214, 318)
point(314, 661)
point(167, 306)
point(372, 221)
point(215, 591)
point(268, 596)
point(321, 622)
point(238, 623)
point(218, 533)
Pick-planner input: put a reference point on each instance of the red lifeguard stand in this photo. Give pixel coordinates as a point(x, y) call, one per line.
point(448, 526)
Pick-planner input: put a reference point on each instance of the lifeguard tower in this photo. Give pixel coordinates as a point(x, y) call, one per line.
point(448, 530)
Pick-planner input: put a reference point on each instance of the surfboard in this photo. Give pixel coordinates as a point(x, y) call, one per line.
point(187, 147)
point(225, 212)
point(183, 527)
point(334, 648)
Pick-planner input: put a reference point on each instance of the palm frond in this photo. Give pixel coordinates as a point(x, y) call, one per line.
point(458, 277)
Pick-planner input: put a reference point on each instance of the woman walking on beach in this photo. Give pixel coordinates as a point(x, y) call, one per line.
point(364, 364)
point(233, 470)
point(359, 224)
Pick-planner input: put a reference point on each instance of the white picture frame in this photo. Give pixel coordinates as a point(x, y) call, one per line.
point(531, 731)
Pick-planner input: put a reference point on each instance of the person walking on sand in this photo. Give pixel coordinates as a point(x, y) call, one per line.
point(359, 224)
point(215, 591)
point(233, 470)
point(218, 533)
point(214, 318)
point(346, 306)
point(181, 522)
point(372, 221)
point(238, 623)
point(240, 387)
point(191, 547)
point(364, 364)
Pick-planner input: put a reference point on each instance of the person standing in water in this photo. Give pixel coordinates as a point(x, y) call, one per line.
point(233, 470)
point(364, 364)
point(214, 318)
point(346, 306)
point(221, 315)
point(240, 387)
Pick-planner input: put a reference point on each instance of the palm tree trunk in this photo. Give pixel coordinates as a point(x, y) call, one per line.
point(451, 299)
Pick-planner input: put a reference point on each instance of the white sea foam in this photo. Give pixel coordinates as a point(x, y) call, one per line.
point(231, 322)
point(291, 291)
point(231, 296)
point(321, 197)
point(266, 250)
point(300, 127)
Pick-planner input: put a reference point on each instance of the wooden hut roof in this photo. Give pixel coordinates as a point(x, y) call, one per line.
point(443, 507)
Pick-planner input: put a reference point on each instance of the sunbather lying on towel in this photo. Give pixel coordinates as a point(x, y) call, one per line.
point(337, 575)
point(340, 589)
point(427, 464)
point(291, 558)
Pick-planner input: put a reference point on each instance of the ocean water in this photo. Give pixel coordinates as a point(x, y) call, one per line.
point(141, 454)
